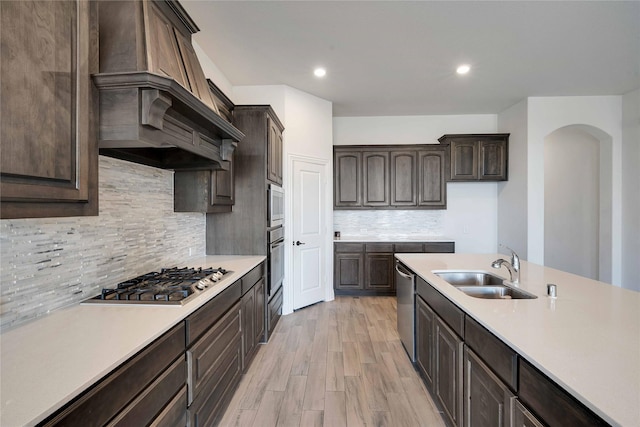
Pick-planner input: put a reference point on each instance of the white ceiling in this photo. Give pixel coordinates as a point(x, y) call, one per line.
point(386, 58)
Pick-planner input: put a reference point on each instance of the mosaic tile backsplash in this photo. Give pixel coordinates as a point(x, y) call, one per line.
point(393, 224)
point(50, 263)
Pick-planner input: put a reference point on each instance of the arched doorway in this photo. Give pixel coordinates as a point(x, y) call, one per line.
point(577, 201)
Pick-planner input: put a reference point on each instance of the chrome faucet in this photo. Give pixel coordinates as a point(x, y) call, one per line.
point(513, 266)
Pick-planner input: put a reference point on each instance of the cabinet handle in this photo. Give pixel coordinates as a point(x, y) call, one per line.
point(404, 274)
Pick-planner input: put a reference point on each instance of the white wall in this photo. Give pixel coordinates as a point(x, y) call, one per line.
point(572, 202)
point(630, 190)
point(547, 114)
point(308, 134)
point(512, 194)
point(471, 215)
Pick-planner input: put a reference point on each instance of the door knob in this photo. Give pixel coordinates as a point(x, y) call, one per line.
point(298, 243)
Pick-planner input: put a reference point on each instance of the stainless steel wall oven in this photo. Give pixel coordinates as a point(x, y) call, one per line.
point(275, 260)
point(275, 211)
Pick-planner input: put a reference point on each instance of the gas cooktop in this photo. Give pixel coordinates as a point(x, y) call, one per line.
point(169, 286)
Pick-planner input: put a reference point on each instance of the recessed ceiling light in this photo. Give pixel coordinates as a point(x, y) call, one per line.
point(463, 69)
point(320, 72)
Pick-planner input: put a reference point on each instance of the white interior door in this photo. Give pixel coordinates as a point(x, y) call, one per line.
point(308, 223)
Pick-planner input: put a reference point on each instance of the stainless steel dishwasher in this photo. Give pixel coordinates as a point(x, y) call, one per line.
point(405, 295)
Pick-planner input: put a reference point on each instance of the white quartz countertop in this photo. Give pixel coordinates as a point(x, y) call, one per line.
point(47, 362)
point(391, 238)
point(587, 339)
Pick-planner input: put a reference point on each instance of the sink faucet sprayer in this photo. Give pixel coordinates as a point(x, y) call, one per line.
point(513, 267)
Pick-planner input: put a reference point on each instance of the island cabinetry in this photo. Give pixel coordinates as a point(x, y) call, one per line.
point(488, 402)
point(390, 177)
point(478, 157)
point(522, 417)
point(368, 268)
point(552, 404)
point(253, 313)
point(214, 356)
point(48, 138)
point(149, 388)
point(425, 342)
point(439, 344)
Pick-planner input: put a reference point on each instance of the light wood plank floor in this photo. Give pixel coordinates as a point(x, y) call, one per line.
point(337, 363)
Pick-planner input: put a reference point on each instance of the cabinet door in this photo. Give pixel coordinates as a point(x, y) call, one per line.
point(248, 311)
point(349, 271)
point(487, 399)
point(222, 187)
point(379, 272)
point(259, 311)
point(464, 160)
point(522, 417)
point(403, 178)
point(48, 137)
point(347, 167)
point(375, 178)
point(432, 187)
point(274, 153)
point(425, 343)
point(492, 160)
point(448, 369)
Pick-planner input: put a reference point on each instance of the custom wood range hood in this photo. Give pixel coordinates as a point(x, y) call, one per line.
point(155, 104)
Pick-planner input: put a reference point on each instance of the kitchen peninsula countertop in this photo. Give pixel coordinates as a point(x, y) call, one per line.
point(47, 362)
point(587, 339)
point(391, 238)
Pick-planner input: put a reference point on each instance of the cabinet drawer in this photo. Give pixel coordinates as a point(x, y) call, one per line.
point(379, 247)
point(501, 359)
point(349, 247)
point(408, 247)
point(118, 389)
point(252, 277)
point(551, 403)
point(159, 395)
point(452, 315)
point(206, 315)
point(206, 357)
point(218, 389)
point(440, 247)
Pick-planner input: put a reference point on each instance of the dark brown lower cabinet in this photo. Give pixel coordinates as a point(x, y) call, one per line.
point(252, 309)
point(379, 272)
point(274, 311)
point(144, 390)
point(214, 366)
point(487, 401)
point(425, 328)
point(368, 268)
point(448, 371)
point(550, 402)
point(521, 417)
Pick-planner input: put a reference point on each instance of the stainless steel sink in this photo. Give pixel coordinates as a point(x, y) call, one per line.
point(480, 284)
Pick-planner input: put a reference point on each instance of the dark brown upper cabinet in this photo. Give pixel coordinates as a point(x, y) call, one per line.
point(347, 178)
point(390, 177)
point(478, 157)
point(375, 169)
point(49, 162)
point(274, 150)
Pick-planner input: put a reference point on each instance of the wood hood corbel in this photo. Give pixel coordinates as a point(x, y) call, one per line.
point(155, 104)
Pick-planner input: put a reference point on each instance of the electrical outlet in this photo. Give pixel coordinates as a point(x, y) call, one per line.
point(190, 251)
point(465, 229)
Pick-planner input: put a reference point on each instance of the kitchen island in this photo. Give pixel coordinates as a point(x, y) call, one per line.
point(587, 340)
point(48, 362)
